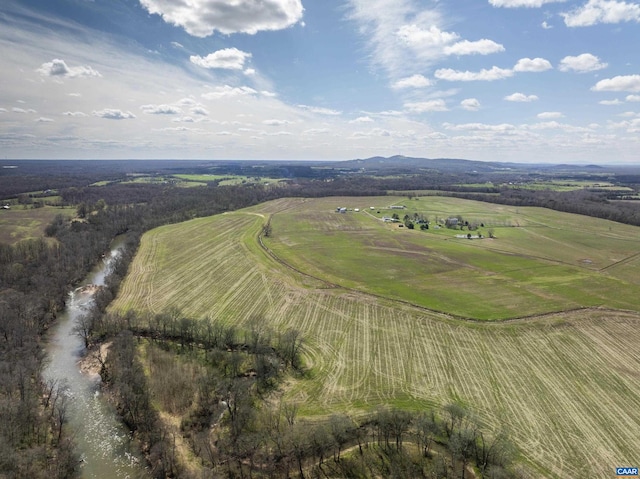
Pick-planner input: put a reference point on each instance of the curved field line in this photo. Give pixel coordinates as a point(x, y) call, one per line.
point(565, 386)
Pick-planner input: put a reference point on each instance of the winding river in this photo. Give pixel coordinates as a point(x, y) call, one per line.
point(103, 443)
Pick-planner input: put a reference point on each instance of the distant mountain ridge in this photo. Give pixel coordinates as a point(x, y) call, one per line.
point(399, 162)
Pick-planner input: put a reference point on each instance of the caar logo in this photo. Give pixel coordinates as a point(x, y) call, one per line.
point(626, 471)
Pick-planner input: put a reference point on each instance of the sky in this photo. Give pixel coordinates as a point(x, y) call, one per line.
point(530, 81)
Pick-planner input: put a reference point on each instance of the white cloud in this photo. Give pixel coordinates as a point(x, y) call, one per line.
point(160, 109)
point(316, 131)
point(362, 119)
point(481, 47)
point(418, 37)
point(75, 114)
point(611, 102)
point(43, 119)
point(494, 73)
point(521, 3)
point(199, 110)
point(227, 58)
point(250, 72)
point(633, 98)
point(111, 114)
point(58, 68)
point(276, 122)
point(320, 110)
point(183, 119)
point(470, 104)
point(22, 110)
point(424, 106)
point(503, 127)
point(520, 97)
point(602, 11)
point(619, 83)
point(546, 26)
point(229, 91)
point(414, 81)
point(201, 18)
point(548, 115)
point(585, 62)
point(532, 65)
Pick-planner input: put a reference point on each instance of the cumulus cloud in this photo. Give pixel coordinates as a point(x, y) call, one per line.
point(619, 83)
point(521, 3)
point(494, 73)
point(633, 98)
point(546, 26)
point(414, 81)
point(227, 91)
point(43, 119)
point(199, 110)
point(581, 63)
point(470, 104)
point(532, 65)
point(200, 18)
point(227, 58)
point(362, 119)
point(611, 102)
point(416, 36)
point(75, 114)
point(548, 115)
point(112, 114)
point(160, 109)
point(22, 110)
point(320, 110)
point(275, 122)
point(424, 106)
point(480, 47)
point(502, 127)
point(520, 97)
point(59, 68)
point(602, 11)
point(445, 43)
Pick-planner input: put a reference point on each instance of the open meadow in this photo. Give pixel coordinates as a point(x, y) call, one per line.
point(20, 223)
point(382, 312)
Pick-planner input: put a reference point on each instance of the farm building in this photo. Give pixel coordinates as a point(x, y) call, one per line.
point(397, 207)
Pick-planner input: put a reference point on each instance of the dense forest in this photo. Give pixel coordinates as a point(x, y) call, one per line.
point(36, 275)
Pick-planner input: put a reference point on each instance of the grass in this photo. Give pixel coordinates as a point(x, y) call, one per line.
point(565, 386)
point(226, 180)
point(18, 223)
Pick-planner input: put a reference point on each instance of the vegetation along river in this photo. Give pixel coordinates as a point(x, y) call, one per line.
point(103, 443)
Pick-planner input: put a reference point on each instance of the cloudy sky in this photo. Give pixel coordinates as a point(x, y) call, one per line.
point(506, 80)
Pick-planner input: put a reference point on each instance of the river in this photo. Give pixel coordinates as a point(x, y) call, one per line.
point(103, 442)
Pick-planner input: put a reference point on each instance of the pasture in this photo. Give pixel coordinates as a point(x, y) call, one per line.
point(565, 385)
point(20, 223)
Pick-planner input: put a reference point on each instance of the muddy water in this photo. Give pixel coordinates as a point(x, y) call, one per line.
point(103, 442)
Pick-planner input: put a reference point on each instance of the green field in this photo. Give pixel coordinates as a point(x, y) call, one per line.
point(226, 180)
point(19, 223)
point(565, 385)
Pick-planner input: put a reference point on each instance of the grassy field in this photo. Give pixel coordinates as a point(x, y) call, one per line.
point(565, 385)
point(18, 223)
point(226, 180)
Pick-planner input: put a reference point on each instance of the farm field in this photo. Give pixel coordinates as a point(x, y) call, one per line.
point(564, 385)
point(18, 223)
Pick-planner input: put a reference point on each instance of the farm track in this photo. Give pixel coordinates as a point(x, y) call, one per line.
point(565, 386)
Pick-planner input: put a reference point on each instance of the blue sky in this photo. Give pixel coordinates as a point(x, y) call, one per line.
point(504, 80)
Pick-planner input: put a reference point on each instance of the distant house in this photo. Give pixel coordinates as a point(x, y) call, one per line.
point(451, 222)
point(6, 207)
point(397, 207)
